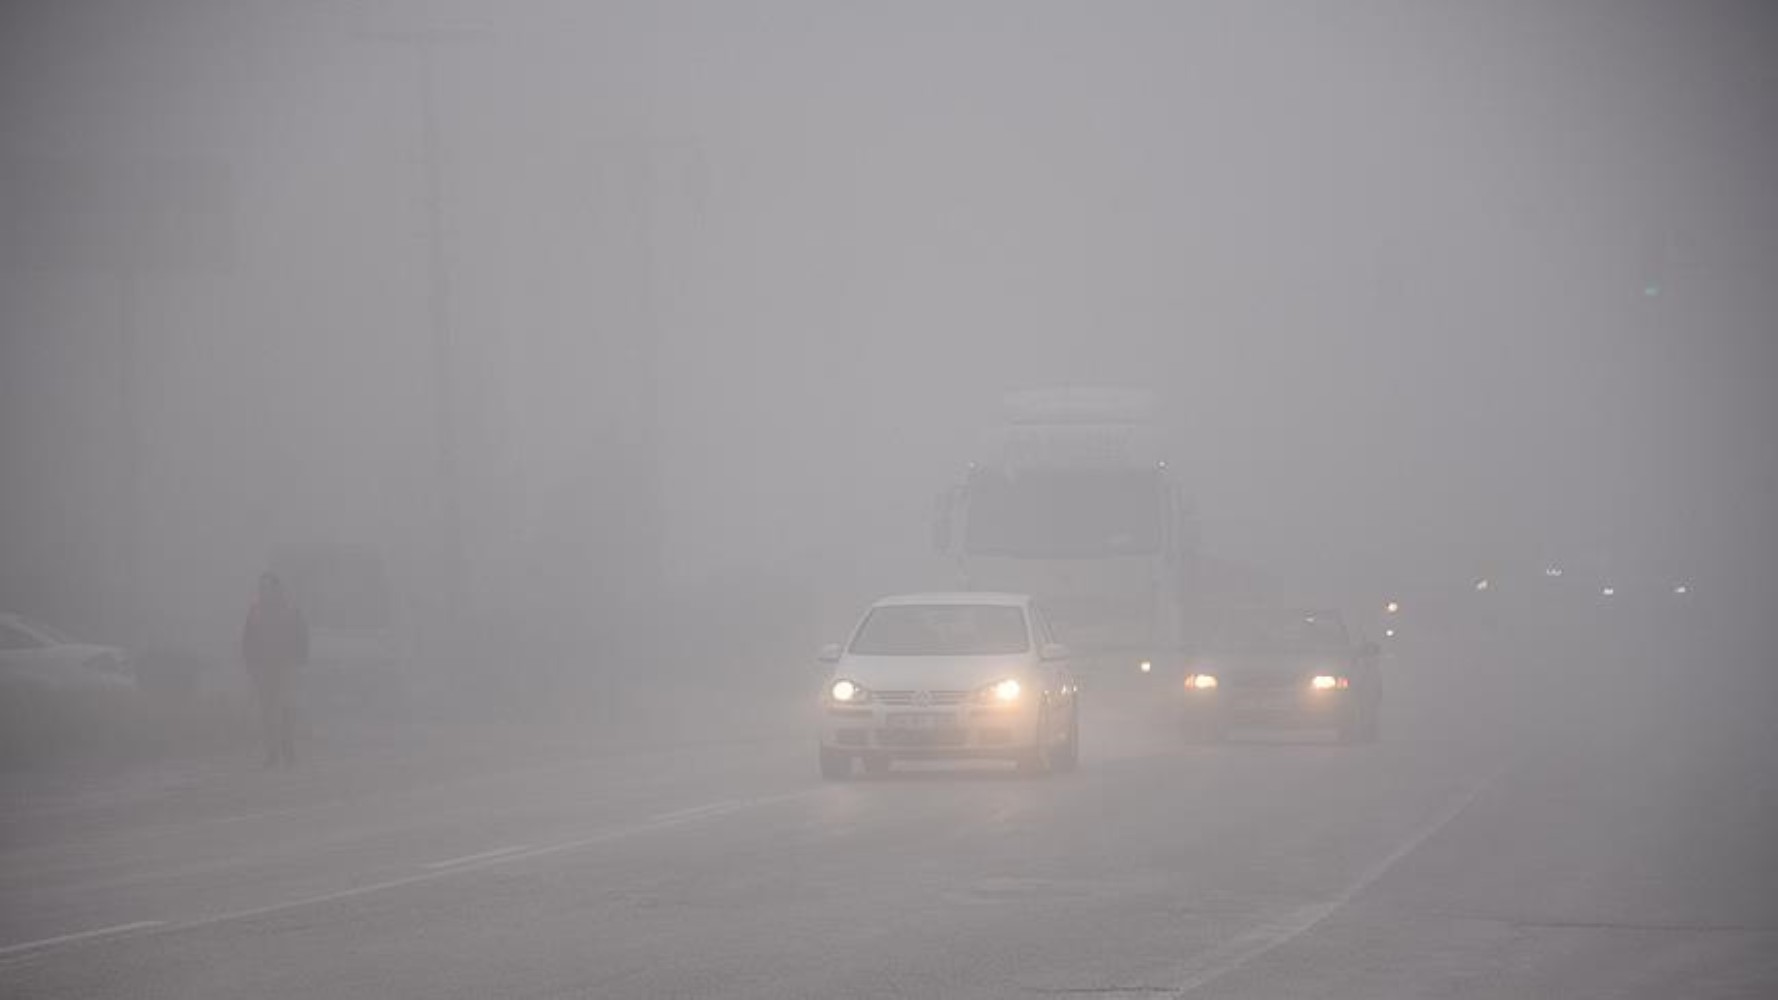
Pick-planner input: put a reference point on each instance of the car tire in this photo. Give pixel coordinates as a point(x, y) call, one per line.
point(835, 766)
point(1372, 729)
point(1359, 726)
point(1068, 757)
point(1206, 731)
point(1036, 762)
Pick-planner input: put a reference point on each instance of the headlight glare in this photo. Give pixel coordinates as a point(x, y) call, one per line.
point(848, 692)
point(1006, 690)
point(1201, 682)
point(1329, 682)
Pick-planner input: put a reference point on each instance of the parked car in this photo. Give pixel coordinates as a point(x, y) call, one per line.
point(35, 654)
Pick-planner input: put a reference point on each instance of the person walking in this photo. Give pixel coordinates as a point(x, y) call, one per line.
point(274, 646)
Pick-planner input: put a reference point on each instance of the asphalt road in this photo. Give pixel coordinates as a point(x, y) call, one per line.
point(1612, 840)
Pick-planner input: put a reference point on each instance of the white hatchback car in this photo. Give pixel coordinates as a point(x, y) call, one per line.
point(961, 675)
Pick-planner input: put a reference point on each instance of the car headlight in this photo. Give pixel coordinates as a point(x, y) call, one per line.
point(1000, 692)
point(1200, 682)
point(1329, 682)
point(848, 692)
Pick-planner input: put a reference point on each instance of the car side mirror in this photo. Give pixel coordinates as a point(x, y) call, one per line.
point(829, 653)
point(1054, 651)
point(1370, 651)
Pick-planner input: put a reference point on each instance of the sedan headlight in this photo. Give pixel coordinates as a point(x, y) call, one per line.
point(848, 692)
point(1200, 682)
point(1329, 682)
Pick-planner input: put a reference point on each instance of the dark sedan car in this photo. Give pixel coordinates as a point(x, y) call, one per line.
point(1284, 669)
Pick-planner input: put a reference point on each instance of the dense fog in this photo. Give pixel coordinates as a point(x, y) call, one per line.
point(630, 343)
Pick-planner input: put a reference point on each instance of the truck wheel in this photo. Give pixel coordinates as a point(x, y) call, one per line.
point(835, 766)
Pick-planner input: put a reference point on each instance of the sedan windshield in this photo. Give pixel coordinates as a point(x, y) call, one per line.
point(942, 630)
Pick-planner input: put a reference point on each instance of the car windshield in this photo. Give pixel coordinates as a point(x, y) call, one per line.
point(942, 630)
point(1282, 632)
point(43, 633)
point(1066, 514)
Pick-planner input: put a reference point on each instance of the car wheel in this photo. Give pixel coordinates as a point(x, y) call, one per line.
point(1356, 726)
point(876, 764)
point(1205, 730)
point(1372, 729)
point(835, 766)
point(1036, 761)
point(1067, 757)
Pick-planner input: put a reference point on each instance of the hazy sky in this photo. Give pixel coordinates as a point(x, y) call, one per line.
point(1424, 288)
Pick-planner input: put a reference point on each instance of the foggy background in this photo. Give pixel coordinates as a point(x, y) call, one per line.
point(1427, 291)
point(639, 340)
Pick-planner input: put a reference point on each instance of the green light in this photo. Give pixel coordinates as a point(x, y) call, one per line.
point(1651, 291)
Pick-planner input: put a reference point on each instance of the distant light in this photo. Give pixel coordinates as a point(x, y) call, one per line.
point(1328, 682)
point(1552, 571)
point(1482, 584)
point(1145, 666)
point(1160, 465)
point(1392, 607)
point(1608, 591)
point(1682, 590)
point(1201, 682)
point(1388, 633)
point(1651, 291)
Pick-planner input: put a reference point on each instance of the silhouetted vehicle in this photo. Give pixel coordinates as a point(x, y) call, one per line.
point(34, 654)
point(1284, 668)
point(964, 675)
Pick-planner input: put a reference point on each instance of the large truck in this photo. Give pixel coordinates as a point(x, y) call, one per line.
point(1071, 499)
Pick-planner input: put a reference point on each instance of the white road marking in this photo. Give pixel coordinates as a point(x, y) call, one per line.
point(140, 925)
point(483, 856)
point(655, 824)
point(1266, 936)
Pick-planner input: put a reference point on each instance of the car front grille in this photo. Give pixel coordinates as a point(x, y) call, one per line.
point(913, 697)
point(947, 737)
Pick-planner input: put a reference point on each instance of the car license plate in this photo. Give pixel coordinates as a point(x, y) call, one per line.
point(917, 720)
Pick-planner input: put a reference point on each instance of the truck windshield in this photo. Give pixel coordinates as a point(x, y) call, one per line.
point(942, 630)
point(1064, 514)
point(338, 587)
point(1282, 632)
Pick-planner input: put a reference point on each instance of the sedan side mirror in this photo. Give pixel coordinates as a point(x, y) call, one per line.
point(829, 653)
point(1054, 651)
